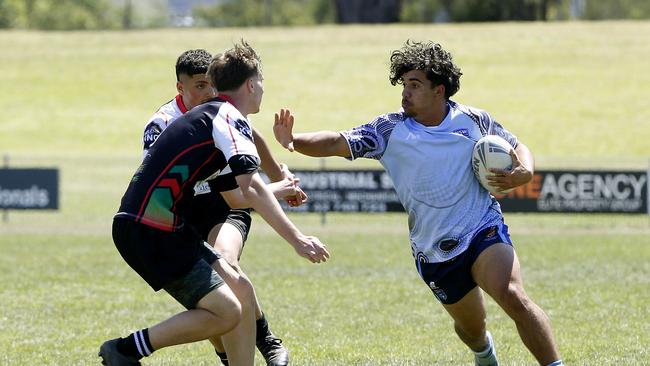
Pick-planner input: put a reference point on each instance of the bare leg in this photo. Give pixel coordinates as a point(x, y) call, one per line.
point(217, 313)
point(227, 240)
point(239, 343)
point(469, 319)
point(497, 272)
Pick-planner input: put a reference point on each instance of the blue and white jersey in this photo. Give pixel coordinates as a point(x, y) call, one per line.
point(432, 173)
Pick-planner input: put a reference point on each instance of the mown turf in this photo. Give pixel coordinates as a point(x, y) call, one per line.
point(573, 92)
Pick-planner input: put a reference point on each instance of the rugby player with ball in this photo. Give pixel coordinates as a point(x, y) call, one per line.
point(459, 240)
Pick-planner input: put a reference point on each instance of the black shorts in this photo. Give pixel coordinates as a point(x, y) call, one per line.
point(207, 210)
point(450, 281)
point(160, 257)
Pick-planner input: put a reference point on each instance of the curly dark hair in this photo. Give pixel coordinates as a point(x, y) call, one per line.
point(193, 62)
point(229, 70)
point(429, 57)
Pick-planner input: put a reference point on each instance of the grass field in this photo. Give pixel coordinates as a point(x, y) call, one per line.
point(576, 93)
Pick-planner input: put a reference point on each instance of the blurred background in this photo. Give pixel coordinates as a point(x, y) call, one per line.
point(80, 78)
point(138, 14)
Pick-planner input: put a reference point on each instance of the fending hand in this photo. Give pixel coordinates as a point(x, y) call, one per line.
point(283, 128)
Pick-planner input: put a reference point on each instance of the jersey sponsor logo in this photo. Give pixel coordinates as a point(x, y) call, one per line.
point(244, 128)
point(201, 188)
point(151, 133)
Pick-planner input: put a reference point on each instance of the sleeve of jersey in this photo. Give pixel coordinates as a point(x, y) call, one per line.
point(494, 128)
point(233, 135)
point(152, 130)
point(223, 183)
point(370, 140)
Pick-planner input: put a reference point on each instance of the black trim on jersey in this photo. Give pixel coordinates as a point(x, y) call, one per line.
point(223, 183)
point(243, 164)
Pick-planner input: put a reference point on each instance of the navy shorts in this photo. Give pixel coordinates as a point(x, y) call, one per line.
point(450, 281)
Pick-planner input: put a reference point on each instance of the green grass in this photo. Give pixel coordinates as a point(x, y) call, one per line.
point(62, 294)
point(576, 93)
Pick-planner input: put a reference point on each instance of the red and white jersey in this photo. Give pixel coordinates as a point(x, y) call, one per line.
point(164, 116)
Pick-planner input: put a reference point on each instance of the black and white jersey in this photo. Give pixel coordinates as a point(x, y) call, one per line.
point(160, 120)
point(195, 148)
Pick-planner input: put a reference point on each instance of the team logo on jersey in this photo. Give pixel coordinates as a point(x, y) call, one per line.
point(244, 128)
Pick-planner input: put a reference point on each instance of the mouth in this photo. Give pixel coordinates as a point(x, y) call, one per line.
point(405, 103)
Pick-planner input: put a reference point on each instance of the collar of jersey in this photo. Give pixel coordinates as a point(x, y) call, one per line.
point(226, 98)
point(181, 105)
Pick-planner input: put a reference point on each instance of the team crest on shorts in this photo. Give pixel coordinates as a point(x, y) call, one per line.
point(440, 294)
point(490, 234)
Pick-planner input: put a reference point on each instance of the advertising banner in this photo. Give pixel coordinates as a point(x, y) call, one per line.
point(549, 191)
point(347, 191)
point(23, 189)
point(580, 191)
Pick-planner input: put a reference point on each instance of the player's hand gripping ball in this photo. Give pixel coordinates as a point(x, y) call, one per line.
point(491, 152)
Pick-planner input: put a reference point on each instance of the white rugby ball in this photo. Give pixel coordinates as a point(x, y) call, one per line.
point(491, 152)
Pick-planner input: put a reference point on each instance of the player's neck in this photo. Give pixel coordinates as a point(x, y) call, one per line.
point(237, 100)
point(433, 117)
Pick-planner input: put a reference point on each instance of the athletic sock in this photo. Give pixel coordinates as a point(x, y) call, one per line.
point(223, 357)
point(136, 345)
point(556, 363)
point(261, 328)
point(489, 355)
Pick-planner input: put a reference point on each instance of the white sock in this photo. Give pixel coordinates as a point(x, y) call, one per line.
point(556, 363)
point(489, 355)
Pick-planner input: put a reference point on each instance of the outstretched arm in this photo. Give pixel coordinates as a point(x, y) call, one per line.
point(267, 162)
point(284, 189)
point(277, 173)
point(256, 192)
point(319, 144)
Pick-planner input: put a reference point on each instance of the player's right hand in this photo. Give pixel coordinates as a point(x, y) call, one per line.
point(283, 127)
point(311, 248)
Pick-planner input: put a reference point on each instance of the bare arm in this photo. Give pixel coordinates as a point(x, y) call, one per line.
point(268, 163)
point(320, 144)
point(285, 188)
point(256, 192)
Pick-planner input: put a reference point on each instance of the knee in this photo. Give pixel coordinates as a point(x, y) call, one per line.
point(231, 314)
point(245, 293)
point(515, 302)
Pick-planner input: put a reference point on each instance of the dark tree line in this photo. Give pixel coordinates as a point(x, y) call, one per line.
point(127, 14)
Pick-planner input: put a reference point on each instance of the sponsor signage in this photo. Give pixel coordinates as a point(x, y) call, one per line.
point(347, 191)
point(580, 191)
point(549, 191)
point(24, 189)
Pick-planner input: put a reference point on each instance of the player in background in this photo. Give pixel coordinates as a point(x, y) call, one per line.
point(456, 229)
point(228, 230)
point(153, 237)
